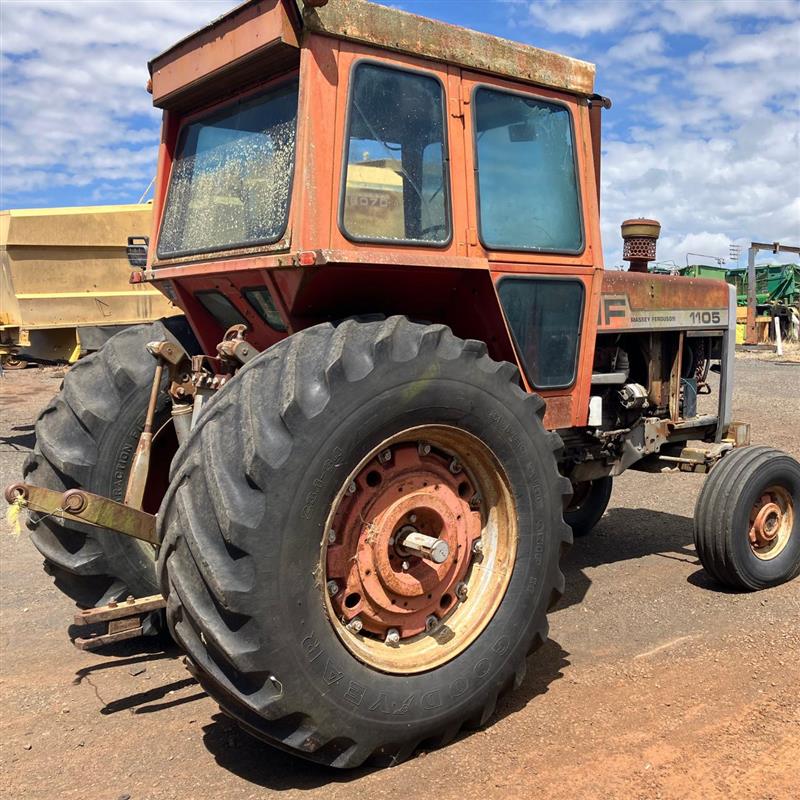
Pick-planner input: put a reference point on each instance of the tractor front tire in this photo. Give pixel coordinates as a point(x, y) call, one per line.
point(86, 437)
point(287, 496)
point(747, 519)
point(588, 504)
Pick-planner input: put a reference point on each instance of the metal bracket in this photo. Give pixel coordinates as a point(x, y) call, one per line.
point(79, 505)
point(125, 620)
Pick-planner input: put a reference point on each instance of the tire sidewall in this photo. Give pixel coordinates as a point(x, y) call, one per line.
point(133, 564)
point(758, 572)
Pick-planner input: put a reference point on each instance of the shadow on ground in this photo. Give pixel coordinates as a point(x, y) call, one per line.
point(625, 534)
point(22, 440)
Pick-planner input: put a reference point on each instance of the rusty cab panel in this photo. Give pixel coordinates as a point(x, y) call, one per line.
point(395, 179)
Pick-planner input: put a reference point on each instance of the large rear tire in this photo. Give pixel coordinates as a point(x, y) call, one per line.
point(339, 424)
point(86, 436)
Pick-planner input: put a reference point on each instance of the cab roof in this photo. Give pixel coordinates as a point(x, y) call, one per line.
point(261, 34)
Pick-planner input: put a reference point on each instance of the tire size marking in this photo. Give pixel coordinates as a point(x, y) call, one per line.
point(356, 693)
point(328, 466)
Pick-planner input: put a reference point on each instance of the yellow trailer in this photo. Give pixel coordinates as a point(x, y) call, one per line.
point(64, 280)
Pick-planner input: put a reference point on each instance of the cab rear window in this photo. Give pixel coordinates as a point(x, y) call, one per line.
point(232, 175)
point(223, 311)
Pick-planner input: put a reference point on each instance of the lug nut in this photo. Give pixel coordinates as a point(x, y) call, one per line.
point(385, 456)
point(424, 449)
point(355, 625)
point(333, 588)
point(405, 565)
point(412, 518)
point(331, 537)
point(351, 489)
point(392, 636)
point(477, 547)
point(455, 467)
point(431, 623)
point(462, 591)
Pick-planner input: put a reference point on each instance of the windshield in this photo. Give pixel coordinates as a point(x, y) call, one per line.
point(232, 175)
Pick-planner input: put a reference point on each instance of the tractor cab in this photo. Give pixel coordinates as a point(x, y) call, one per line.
point(344, 158)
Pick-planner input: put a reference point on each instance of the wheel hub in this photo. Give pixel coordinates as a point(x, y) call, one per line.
point(402, 542)
point(771, 522)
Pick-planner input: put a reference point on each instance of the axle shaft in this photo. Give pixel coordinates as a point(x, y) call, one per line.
point(412, 542)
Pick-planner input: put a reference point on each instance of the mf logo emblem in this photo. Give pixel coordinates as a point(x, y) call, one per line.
point(613, 308)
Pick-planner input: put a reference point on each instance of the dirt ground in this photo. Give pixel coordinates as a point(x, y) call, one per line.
point(655, 683)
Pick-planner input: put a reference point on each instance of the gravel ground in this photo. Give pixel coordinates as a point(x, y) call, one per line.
point(655, 683)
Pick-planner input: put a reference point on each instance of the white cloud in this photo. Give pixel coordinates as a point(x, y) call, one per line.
point(74, 107)
point(579, 18)
point(715, 155)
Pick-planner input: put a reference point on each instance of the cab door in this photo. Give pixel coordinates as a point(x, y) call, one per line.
point(532, 213)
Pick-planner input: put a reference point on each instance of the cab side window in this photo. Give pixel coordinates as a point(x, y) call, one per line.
point(396, 183)
point(526, 173)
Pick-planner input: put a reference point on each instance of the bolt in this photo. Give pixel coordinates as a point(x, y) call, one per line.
point(461, 591)
point(405, 565)
point(74, 502)
point(392, 636)
point(477, 547)
point(333, 588)
point(475, 501)
point(331, 537)
point(423, 449)
point(385, 456)
point(412, 518)
point(431, 623)
point(355, 625)
point(351, 489)
point(455, 467)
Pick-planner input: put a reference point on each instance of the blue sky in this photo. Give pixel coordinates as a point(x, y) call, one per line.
point(704, 133)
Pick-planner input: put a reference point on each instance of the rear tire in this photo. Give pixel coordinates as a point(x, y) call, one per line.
point(245, 531)
point(746, 521)
point(86, 436)
point(588, 504)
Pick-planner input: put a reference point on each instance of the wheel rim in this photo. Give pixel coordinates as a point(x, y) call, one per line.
point(771, 523)
point(405, 604)
point(13, 362)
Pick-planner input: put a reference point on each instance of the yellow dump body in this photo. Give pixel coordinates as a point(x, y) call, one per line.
point(64, 272)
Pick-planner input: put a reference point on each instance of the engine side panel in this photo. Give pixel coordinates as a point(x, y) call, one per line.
point(644, 302)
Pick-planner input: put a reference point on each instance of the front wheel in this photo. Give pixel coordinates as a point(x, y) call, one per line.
point(746, 522)
point(361, 541)
point(588, 504)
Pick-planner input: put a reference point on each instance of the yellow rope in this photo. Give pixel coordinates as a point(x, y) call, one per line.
point(13, 513)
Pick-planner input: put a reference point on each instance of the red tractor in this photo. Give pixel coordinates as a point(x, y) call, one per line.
point(403, 384)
